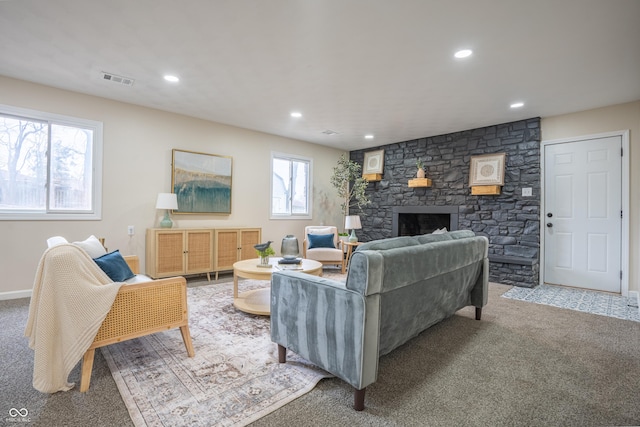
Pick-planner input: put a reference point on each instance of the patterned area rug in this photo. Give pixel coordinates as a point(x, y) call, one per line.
point(234, 378)
point(579, 299)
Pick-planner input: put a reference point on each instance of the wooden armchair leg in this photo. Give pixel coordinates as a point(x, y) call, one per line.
point(358, 399)
point(282, 354)
point(186, 337)
point(87, 367)
point(478, 313)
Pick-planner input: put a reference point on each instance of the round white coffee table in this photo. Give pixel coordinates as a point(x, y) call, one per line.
point(257, 301)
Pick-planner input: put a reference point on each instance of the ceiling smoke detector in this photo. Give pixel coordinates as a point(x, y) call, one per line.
point(126, 81)
point(329, 132)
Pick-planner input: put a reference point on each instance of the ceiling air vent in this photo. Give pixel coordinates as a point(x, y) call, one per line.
point(126, 81)
point(329, 132)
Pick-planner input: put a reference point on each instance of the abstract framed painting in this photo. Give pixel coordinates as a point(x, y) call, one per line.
point(202, 182)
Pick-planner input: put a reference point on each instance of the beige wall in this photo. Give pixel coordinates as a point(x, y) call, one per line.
point(609, 119)
point(137, 166)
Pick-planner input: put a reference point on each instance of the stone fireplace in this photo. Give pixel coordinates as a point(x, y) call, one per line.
point(416, 220)
point(510, 220)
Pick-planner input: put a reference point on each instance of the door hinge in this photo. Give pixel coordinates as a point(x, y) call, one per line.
point(620, 214)
point(620, 274)
point(621, 152)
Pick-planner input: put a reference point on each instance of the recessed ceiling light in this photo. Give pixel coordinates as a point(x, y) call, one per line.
point(296, 114)
point(517, 105)
point(463, 53)
point(368, 137)
point(172, 79)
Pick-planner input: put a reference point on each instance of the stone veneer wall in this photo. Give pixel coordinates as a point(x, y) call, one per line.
point(509, 220)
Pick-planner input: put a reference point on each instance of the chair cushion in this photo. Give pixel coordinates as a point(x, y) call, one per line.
point(321, 241)
point(92, 246)
point(115, 266)
point(325, 254)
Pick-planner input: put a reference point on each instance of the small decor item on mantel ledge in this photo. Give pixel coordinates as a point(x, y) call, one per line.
point(420, 166)
point(264, 250)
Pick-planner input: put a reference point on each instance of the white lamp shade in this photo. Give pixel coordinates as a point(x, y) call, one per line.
point(167, 201)
point(352, 222)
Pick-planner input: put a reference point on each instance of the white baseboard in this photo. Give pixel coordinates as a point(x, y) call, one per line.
point(15, 294)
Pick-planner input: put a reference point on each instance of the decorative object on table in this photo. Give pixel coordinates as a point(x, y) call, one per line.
point(352, 222)
point(486, 174)
point(202, 182)
point(373, 167)
point(350, 185)
point(264, 250)
point(289, 249)
point(167, 201)
point(421, 171)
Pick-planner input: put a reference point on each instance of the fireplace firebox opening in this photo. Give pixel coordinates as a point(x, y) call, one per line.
point(417, 220)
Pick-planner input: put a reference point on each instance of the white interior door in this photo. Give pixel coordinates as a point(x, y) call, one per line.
point(583, 210)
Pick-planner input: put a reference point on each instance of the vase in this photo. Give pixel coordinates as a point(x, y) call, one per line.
point(289, 248)
point(264, 260)
point(420, 173)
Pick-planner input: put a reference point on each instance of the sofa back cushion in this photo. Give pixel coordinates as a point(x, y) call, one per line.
point(383, 270)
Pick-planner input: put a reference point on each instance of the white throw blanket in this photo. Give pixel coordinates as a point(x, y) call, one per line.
point(71, 297)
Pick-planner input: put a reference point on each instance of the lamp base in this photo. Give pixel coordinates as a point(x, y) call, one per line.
point(352, 237)
point(166, 221)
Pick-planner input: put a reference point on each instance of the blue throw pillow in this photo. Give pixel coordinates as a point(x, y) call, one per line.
point(320, 241)
point(115, 266)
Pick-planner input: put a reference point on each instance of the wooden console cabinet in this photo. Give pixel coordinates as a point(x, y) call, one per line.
point(234, 244)
point(178, 252)
point(184, 251)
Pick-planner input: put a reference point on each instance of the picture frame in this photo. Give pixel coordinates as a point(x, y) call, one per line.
point(487, 169)
point(201, 182)
point(373, 162)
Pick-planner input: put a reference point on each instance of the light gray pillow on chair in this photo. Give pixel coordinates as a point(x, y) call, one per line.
point(92, 246)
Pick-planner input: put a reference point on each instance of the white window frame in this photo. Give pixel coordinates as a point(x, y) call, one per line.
point(292, 157)
point(96, 192)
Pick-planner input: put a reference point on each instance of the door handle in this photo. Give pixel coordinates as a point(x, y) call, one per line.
point(549, 225)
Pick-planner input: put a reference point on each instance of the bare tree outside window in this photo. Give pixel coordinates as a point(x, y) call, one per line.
point(46, 167)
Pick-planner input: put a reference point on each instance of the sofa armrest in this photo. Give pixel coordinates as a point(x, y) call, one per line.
point(327, 324)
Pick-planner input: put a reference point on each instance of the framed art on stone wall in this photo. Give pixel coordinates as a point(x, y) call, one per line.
point(487, 169)
point(373, 162)
point(202, 182)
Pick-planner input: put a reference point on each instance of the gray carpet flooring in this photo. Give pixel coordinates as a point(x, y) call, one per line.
point(523, 364)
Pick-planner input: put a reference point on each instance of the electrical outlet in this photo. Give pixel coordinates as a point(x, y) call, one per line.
point(527, 192)
point(130, 230)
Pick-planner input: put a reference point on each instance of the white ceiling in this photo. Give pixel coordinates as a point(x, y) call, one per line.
point(381, 67)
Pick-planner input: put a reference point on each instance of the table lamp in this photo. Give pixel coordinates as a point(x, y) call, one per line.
point(352, 222)
point(167, 201)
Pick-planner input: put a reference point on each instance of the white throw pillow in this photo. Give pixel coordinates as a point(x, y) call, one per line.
point(442, 230)
point(92, 246)
point(325, 230)
point(55, 241)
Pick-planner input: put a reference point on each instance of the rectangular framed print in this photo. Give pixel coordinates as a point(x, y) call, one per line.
point(487, 169)
point(202, 182)
point(373, 162)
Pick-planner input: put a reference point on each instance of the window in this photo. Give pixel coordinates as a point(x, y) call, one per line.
point(50, 166)
point(290, 186)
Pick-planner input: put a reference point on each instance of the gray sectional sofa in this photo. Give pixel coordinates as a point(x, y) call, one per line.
point(395, 289)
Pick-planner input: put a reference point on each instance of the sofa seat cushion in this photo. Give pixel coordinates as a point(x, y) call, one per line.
point(138, 278)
